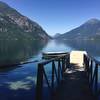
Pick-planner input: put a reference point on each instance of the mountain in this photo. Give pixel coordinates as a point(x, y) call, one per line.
point(15, 26)
point(56, 35)
point(88, 30)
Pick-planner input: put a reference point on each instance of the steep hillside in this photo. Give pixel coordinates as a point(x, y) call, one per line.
point(13, 25)
point(88, 30)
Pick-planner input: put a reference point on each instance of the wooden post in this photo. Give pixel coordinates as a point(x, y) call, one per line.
point(85, 60)
point(96, 81)
point(63, 67)
point(91, 73)
point(64, 64)
point(59, 66)
point(39, 85)
point(53, 65)
point(68, 61)
point(87, 65)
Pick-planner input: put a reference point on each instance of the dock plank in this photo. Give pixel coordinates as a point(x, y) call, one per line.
point(74, 86)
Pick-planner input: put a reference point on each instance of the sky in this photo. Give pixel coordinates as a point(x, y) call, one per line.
point(57, 16)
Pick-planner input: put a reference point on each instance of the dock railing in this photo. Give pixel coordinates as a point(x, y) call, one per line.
point(58, 65)
point(92, 66)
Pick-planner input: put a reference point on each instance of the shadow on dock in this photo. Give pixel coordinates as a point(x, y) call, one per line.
point(74, 85)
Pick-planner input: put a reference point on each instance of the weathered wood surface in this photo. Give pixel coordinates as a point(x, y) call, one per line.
point(77, 77)
point(74, 86)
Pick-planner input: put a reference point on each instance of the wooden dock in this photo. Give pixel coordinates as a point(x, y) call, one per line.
point(74, 86)
point(79, 77)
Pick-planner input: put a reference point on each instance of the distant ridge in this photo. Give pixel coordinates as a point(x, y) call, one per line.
point(89, 30)
point(92, 21)
point(56, 35)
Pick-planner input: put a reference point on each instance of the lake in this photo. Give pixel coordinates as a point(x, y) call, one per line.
point(18, 82)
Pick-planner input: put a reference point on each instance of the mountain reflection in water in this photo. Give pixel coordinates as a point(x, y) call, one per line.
point(91, 46)
point(14, 51)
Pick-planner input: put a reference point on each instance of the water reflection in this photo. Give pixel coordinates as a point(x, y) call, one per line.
point(12, 51)
point(19, 82)
point(91, 46)
point(57, 46)
point(15, 51)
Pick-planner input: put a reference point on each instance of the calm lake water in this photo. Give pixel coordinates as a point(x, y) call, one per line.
point(18, 83)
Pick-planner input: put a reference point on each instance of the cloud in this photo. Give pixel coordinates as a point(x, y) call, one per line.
point(19, 85)
point(26, 84)
point(33, 79)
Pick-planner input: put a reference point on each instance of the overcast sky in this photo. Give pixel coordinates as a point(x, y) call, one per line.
point(57, 16)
